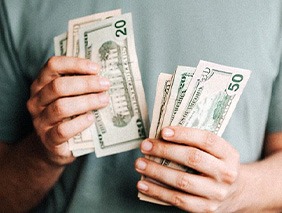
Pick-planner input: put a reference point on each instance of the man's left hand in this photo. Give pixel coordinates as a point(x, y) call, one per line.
point(214, 158)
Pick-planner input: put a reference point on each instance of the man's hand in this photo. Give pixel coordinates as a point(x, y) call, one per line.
point(215, 159)
point(62, 96)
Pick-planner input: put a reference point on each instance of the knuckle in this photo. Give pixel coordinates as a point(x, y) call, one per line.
point(194, 157)
point(220, 195)
point(52, 62)
point(58, 108)
point(210, 139)
point(57, 87)
point(229, 175)
point(183, 182)
point(178, 200)
point(163, 150)
point(62, 132)
point(30, 106)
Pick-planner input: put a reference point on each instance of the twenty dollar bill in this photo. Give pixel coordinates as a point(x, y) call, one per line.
point(123, 124)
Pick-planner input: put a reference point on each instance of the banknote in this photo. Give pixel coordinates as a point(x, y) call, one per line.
point(82, 143)
point(208, 103)
point(214, 98)
point(60, 44)
point(181, 80)
point(111, 44)
point(163, 89)
point(75, 24)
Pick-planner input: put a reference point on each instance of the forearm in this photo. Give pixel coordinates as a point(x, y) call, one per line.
point(261, 183)
point(27, 175)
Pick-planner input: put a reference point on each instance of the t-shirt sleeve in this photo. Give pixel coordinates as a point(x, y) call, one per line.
point(15, 121)
point(275, 110)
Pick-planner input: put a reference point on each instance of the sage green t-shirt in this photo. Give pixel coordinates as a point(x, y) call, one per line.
point(244, 33)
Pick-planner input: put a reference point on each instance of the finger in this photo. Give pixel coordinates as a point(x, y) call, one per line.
point(202, 139)
point(190, 157)
point(68, 129)
point(71, 86)
point(181, 200)
point(67, 107)
point(61, 65)
point(183, 181)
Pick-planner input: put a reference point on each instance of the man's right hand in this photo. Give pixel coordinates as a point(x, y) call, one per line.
point(62, 98)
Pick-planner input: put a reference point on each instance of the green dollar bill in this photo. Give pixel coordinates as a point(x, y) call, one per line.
point(111, 44)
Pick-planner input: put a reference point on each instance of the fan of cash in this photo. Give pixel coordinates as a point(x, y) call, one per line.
point(203, 97)
point(107, 38)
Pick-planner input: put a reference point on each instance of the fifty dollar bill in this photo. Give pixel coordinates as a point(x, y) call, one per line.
point(209, 101)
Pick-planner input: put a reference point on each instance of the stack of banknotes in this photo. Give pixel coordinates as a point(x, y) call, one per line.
point(203, 97)
point(108, 39)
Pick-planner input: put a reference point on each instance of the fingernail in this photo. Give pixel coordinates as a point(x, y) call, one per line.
point(104, 98)
point(142, 186)
point(90, 116)
point(167, 132)
point(141, 165)
point(104, 82)
point(146, 145)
